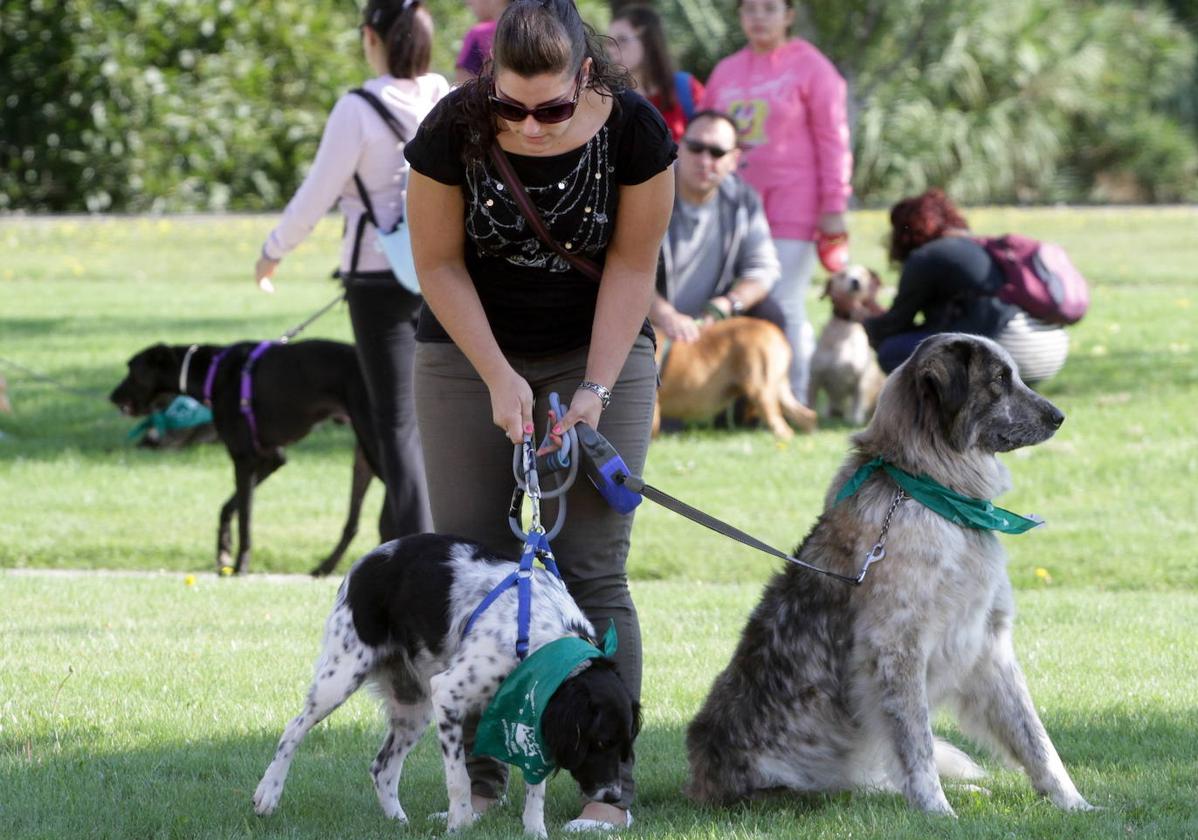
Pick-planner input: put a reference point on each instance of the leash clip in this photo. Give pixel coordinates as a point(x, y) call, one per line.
point(876, 554)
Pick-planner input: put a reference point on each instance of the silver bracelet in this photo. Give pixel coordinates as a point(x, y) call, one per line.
point(598, 390)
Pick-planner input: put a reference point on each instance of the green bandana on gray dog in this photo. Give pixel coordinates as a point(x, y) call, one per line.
point(953, 506)
point(510, 729)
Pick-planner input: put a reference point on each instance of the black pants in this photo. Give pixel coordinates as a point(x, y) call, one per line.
point(384, 322)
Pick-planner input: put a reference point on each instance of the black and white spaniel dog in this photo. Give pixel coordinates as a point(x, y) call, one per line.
point(398, 622)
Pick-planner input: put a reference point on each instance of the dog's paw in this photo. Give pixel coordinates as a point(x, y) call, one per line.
point(392, 810)
point(978, 790)
point(457, 819)
point(1074, 803)
point(935, 804)
point(266, 797)
point(536, 830)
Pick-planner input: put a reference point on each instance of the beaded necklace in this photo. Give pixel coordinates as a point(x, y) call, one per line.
point(495, 223)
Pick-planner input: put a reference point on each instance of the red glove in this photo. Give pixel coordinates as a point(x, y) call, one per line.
point(833, 250)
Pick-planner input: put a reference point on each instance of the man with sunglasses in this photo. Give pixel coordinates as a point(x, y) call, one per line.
point(718, 256)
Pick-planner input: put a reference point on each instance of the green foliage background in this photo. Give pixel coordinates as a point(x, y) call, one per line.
point(175, 105)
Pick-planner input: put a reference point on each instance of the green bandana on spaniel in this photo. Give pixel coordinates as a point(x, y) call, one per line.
point(510, 729)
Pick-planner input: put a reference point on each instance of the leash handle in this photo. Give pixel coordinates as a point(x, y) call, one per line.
point(561, 458)
point(524, 468)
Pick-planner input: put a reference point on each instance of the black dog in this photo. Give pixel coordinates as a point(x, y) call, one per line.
point(397, 622)
point(294, 387)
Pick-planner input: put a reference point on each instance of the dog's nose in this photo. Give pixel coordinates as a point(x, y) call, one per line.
point(1055, 416)
point(855, 284)
point(612, 795)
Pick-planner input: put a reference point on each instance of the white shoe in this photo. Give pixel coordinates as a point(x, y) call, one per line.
point(580, 825)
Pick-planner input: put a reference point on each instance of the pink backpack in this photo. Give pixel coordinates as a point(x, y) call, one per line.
point(1041, 280)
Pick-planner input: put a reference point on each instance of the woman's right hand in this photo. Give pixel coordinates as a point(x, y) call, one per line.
point(511, 404)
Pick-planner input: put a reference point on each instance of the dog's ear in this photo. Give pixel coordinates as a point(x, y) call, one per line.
point(871, 296)
point(157, 357)
point(943, 379)
point(563, 721)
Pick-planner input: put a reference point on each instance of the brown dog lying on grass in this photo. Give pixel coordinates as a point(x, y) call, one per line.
point(738, 357)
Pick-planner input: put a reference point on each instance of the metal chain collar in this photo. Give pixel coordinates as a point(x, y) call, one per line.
point(878, 552)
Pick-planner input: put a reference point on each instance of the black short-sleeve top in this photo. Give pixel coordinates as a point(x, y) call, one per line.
point(537, 303)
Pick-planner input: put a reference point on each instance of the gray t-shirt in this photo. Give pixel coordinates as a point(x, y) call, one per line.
point(697, 243)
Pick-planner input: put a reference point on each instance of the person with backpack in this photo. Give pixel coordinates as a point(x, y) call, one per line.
point(952, 281)
point(360, 166)
point(640, 42)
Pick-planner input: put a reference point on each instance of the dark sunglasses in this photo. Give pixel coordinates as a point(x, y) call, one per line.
point(557, 112)
point(697, 148)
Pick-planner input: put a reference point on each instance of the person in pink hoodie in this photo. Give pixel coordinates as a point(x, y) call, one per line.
point(789, 102)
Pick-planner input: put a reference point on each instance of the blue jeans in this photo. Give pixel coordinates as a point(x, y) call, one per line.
point(893, 351)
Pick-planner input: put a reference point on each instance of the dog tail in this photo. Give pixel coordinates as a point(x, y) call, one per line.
point(952, 763)
point(797, 413)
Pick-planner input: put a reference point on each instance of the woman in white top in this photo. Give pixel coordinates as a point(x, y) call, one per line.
point(397, 41)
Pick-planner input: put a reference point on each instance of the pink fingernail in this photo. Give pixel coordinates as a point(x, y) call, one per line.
point(528, 428)
point(557, 430)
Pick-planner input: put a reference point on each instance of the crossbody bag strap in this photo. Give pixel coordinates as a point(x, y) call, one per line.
point(588, 268)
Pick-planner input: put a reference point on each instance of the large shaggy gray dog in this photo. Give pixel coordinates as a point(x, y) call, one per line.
point(832, 686)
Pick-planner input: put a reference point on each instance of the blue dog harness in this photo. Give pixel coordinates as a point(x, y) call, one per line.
point(536, 540)
point(535, 548)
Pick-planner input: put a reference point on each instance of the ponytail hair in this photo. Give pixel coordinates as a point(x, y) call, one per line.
point(406, 28)
point(532, 38)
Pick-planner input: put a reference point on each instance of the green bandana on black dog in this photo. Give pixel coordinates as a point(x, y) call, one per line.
point(956, 508)
point(510, 729)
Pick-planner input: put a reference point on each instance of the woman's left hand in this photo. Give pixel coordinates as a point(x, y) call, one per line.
point(264, 269)
point(585, 407)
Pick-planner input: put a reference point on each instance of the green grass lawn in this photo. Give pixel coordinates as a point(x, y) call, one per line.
point(141, 707)
point(136, 706)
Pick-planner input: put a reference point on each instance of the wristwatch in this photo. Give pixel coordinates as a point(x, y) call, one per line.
point(604, 394)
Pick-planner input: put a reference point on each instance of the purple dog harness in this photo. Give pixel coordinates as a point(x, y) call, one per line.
point(246, 403)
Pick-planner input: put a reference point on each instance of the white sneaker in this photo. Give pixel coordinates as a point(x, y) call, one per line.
point(580, 825)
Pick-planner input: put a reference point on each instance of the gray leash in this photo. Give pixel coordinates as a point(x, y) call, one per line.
point(49, 380)
point(296, 330)
point(637, 485)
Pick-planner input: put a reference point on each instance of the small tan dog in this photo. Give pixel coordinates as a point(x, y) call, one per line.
point(737, 357)
point(844, 365)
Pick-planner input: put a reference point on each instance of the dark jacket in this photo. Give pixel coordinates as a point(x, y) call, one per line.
point(952, 281)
